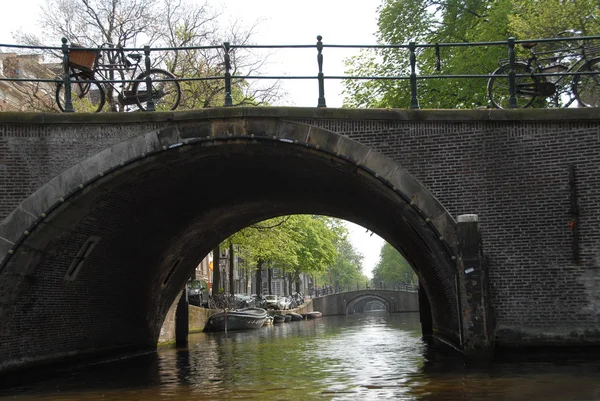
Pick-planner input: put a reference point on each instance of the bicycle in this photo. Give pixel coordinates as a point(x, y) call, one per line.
point(88, 94)
point(580, 63)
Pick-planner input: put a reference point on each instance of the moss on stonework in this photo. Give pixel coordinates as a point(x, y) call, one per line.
point(567, 114)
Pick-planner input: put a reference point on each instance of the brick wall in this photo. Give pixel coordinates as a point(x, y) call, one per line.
point(32, 154)
point(513, 174)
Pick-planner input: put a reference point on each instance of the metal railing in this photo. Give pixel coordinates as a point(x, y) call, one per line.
point(331, 290)
point(227, 77)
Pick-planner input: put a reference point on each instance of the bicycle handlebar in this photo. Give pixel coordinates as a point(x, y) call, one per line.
point(573, 32)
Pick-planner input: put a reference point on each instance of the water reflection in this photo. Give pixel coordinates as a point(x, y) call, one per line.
point(371, 356)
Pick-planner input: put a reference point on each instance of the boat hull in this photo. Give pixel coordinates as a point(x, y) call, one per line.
point(243, 319)
point(278, 319)
point(296, 316)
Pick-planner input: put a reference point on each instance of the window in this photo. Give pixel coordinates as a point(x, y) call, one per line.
point(81, 257)
point(171, 271)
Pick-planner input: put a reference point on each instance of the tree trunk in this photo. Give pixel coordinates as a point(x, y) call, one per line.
point(216, 284)
point(231, 268)
point(284, 282)
point(269, 279)
point(259, 277)
point(298, 283)
point(291, 283)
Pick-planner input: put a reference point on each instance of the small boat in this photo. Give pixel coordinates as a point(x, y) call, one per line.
point(295, 316)
point(313, 315)
point(288, 318)
point(268, 321)
point(241, 319)
point(278, 319)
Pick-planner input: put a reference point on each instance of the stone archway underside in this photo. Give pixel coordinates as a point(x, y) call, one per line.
point(160, 202)
point(358, 304)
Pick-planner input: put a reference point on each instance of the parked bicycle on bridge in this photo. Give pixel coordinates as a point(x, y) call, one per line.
point(116, 71)
point(558, 77)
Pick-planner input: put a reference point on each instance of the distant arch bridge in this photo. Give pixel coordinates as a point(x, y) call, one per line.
point(346, 303)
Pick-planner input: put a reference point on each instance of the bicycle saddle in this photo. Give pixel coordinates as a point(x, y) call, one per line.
point(529, 45)
point(135, 56)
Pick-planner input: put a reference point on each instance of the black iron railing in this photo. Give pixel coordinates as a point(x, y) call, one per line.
point(412, 49)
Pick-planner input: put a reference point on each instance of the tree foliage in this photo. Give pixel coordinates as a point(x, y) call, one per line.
point(392, 268)
point(451, 21)
point(346, 271)
point(297, 243)
point(315, 245)
point(546, 18)
point(160, 23)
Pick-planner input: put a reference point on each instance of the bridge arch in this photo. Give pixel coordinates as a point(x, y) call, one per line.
point(156, 203)
point(357, 304)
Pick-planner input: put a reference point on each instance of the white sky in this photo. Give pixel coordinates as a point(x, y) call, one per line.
point(280, 22)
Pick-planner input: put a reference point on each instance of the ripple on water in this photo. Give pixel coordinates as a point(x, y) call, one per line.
point(358, 357)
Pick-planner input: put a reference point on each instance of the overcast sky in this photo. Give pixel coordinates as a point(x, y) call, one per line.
point(280, 22)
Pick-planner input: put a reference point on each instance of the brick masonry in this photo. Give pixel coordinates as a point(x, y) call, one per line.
point(514, 175)
point(510, 168)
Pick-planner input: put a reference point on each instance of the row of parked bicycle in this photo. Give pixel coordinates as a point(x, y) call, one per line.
point(272, 302)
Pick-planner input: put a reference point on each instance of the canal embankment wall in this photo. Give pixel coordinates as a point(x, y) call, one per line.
point(199, 316)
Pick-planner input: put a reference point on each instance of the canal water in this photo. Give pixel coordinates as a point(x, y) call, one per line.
point(371, 356)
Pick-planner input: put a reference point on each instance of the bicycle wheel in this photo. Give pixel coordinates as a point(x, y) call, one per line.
point(498, 88)
point(166, 94)
point(587, 87)
point(87, 96)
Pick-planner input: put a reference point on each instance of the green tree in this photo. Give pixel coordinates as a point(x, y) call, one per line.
point(392, 268)
point(402, 21)
point(346, 271)
point(298, 244)
point(263, 244)
point(546, 18)
point(432, 21)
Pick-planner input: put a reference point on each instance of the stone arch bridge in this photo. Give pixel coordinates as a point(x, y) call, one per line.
point(346, 303)
point(104, 217)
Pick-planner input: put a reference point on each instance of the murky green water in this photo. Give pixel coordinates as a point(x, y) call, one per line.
point(361, 357)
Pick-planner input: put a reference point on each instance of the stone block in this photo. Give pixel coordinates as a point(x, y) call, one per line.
point(293, 131)
point(229, 127)
point(325, 140)
point(13, 227)
point(168, 136)
point(199, 129)
point(380, 165)
point(351, 150)
point(261, 127)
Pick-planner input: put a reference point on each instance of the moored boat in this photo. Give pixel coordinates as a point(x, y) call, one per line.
point(295, 316)
point(313, 315)
point(278, 319)
point(241, 319)
point(288, 318)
